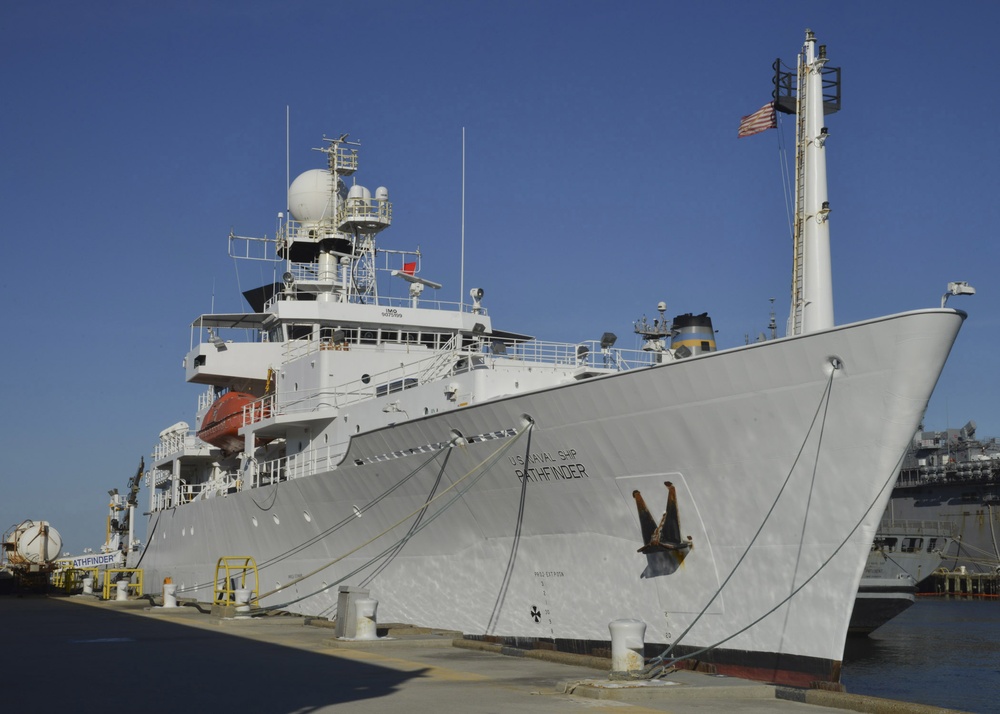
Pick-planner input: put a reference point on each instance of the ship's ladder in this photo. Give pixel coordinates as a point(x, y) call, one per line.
point(798, 245)
point(364, 270)
point(442, 364)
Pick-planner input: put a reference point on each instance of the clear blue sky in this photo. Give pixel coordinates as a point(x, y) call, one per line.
point(603, 175)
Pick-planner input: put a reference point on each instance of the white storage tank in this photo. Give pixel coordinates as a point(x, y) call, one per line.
point(34, 542)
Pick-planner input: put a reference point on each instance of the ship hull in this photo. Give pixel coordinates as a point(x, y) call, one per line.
point(971, 508)
point(880, 600)
point(789, 445)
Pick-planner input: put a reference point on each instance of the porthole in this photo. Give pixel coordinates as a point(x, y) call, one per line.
point(366, 378)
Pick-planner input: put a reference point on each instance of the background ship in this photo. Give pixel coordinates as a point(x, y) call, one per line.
point(952, 476)
point(479, 479)
point(904, 555)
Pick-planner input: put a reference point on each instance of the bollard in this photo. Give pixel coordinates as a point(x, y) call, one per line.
point(347, 618)
point(169, 594)
point(88, 586)
point(122, 593)
point(366, 628)
point(242, 599)
point(627, 645)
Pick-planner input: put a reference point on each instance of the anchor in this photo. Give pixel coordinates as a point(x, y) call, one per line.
point(667, 535)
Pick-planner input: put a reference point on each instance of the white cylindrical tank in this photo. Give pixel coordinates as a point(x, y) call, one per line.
point(311, 196)
point(37, 542)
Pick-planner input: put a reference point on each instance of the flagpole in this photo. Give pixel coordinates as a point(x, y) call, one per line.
point(461, 282)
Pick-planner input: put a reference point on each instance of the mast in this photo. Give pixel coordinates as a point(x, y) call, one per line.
point(818, 93)
point(328, 238)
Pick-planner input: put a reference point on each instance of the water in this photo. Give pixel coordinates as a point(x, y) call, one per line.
point(942, 652)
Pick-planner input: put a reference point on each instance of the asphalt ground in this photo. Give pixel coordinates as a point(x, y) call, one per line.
point(86, 655)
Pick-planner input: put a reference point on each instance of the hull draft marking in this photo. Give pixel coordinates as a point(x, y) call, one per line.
point(542, 614)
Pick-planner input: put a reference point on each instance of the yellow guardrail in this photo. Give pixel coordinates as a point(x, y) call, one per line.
point(71, 579)
point(231, 574)
point(110, 580)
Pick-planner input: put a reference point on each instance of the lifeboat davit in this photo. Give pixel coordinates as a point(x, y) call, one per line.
point(224, 420)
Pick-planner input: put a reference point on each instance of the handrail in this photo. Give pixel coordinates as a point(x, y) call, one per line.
point(916, 527)
point(137, 586)
point(556, 355)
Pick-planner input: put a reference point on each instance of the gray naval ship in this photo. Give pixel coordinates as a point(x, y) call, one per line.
point(951, 476)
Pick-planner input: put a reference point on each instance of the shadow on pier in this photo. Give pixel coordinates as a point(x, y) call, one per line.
point(71, 654)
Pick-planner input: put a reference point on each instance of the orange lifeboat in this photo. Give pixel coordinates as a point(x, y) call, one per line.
point(223, 421)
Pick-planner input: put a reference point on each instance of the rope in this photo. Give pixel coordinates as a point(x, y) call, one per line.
point(399, 544)
point(348, 519)
point(455, 497)
point(413, 527)
point(505, 583)
point(891, 480)
point(325, 533)
point(819, 408)
point(658, 661)
point(494, 456)
point(993, 535)
point(149, 538)
point(786, 181)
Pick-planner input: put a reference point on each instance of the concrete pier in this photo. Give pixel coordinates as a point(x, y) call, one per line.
point(962, 582)
point(142, 656)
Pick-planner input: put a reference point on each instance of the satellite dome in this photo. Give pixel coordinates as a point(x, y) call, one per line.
point(310, 197)
point(359, 193)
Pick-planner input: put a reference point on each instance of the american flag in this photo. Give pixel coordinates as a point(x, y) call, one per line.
point(761, 120)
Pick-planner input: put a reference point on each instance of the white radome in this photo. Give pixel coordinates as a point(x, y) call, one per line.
point(309, 196)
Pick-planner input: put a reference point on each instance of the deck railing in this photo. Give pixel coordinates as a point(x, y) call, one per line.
point(484, 355)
